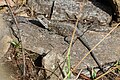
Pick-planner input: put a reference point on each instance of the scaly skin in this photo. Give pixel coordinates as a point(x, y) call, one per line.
point(66, 29)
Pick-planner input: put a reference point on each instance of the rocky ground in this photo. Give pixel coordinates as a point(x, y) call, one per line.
point(45, 50)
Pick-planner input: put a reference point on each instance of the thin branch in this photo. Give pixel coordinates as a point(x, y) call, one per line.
point(19, 36)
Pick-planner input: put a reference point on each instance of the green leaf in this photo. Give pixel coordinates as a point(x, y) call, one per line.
point(93, 73)
point(15, 44)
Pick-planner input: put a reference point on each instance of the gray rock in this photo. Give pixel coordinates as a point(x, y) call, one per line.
point(70, 9)
point(117, 4)
point(5, 40)
point(4, 45)
point(3, 27)
point(40, 40)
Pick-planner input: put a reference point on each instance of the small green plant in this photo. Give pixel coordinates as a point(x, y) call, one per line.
point(68, 63)
point(93, 74)
point(117, 64)
point(67, 68)
point(15, 44)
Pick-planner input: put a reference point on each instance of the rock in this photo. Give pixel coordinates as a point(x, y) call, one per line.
point(4, 75)
point(51, 62)
point(10, 2)
point(4, 45)
point(2, 2)
point(117, 4)
point(40, 40)
point(70, 8)
point(5, 40)
point(3, 27)
point(4, 36)
point(61, 7)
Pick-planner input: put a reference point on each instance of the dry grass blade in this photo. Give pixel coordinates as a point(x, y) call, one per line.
point(78, 74)
point(96, 46)
point(73, 34)
point(110, 70)
point(68, 53)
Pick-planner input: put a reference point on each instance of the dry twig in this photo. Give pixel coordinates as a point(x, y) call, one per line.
point(19, 36)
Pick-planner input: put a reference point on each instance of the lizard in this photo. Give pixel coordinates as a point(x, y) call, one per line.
point(65, 29)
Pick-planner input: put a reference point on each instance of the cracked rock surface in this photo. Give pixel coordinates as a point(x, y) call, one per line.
point(40, 40)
